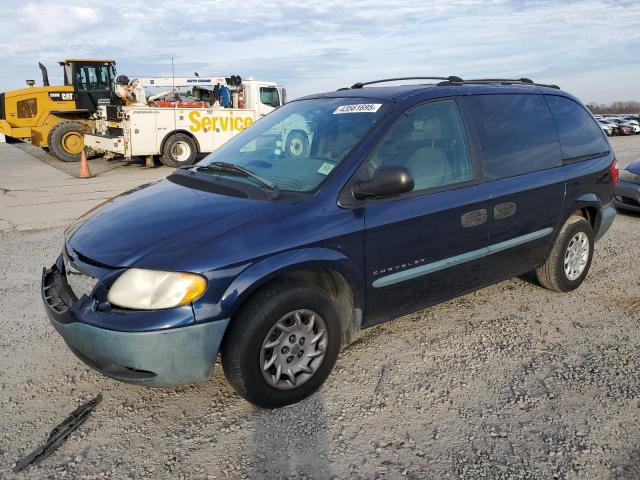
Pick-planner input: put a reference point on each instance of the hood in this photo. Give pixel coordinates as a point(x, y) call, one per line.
point(154, 225)
point(634, 167)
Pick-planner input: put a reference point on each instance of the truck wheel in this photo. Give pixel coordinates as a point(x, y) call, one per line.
point(297, 145)
point(66, 141)
point(570, 257)
point(282, 344)
point(178, 150)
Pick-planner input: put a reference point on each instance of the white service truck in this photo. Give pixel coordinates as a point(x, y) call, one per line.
point(178, 129)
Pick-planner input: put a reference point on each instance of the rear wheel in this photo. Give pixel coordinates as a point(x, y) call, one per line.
point(66, 141)
point(570, 257)
point(179, 150)
point(282, 344)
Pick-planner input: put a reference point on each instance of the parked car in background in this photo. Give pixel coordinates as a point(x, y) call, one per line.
point(624, 128)
point(609, 128)
point(636, 118)
point(407, 196)
point(627, 191)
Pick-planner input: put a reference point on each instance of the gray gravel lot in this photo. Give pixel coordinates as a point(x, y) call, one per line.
point(512, 381)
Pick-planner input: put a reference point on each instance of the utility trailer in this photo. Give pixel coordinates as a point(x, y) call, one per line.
point(176, 129)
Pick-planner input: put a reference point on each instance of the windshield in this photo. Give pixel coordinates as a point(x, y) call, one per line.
point(298, 145)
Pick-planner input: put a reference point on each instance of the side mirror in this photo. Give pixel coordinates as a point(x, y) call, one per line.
point(386, 181)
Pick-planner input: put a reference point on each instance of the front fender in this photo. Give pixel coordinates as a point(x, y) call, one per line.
point(256, 275)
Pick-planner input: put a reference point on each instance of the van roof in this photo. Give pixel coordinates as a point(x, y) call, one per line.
point(426, 90)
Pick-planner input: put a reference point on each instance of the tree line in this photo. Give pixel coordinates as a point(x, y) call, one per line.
point(615, 107)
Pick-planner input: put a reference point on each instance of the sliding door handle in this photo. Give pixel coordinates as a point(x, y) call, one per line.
point(504, 210)
point(474, 218)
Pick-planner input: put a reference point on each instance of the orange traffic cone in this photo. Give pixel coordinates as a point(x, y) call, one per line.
point(84, 166)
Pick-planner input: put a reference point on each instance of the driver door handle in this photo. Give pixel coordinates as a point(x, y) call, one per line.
point(474, 218)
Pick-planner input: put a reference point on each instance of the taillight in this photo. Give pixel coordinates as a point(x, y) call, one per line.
point(614, 170)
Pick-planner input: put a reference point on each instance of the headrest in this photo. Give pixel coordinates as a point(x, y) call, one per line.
point(433, 129)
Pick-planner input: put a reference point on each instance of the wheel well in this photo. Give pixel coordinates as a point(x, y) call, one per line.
point(184, 132)
point(591, 214)
point(296, 131)
point(338, 289)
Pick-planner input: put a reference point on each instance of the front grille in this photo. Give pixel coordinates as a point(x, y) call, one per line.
point(55, 291)
point(79, 282)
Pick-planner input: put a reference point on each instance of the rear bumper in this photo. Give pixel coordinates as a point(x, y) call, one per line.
point(627, 196)
point(160, 357)
point(607, 216)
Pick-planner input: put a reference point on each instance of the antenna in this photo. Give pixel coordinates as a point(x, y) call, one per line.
point(175, 104)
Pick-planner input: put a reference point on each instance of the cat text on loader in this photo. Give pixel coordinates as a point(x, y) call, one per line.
point(57, 116)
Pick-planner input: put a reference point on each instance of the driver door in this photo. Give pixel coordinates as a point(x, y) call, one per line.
point(428, 245)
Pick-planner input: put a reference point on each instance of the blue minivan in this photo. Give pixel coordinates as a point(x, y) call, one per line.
point(332, 214)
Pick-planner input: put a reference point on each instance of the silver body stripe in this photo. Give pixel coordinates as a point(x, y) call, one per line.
point(459, 259)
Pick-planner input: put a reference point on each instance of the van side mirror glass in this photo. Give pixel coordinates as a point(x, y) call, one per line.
point(386, 181)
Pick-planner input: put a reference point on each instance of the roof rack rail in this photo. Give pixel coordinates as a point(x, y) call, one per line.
point(501, 81)
point(448, 79)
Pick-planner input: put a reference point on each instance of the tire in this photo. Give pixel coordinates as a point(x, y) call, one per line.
point(297, 145)
point(179, 150)
point(553, 273)
point(66, 141)
point(244, 352)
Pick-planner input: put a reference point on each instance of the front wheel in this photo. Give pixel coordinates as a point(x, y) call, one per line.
point(570, 258)
point(297, 145)
point(66, 141)
point(179, 150)
point(282, 344)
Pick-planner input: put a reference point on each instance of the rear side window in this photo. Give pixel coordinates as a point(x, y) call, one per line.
point(516, 132)
point(579, 133)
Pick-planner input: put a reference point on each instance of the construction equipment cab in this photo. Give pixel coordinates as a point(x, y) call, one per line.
point(191, 115)
point(56, 117)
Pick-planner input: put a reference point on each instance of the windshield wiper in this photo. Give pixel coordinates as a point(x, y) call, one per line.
point(232, 167)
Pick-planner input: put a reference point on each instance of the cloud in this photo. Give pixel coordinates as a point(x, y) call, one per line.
point(325, 45)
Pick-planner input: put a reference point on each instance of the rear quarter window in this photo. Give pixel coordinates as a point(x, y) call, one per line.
point(579, 133)
point(516, 132)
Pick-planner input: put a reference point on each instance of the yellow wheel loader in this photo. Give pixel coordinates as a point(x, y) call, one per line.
point(56, 117)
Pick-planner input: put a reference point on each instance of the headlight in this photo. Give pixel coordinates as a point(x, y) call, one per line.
point(151, 289)
point(627, 176)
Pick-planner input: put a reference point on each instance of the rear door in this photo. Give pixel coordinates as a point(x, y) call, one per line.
point(425, 246)
point(523, 170)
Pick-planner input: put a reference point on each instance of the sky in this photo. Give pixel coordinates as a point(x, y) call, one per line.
point(591, 48)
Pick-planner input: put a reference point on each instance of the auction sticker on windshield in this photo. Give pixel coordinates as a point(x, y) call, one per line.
point(358, 108)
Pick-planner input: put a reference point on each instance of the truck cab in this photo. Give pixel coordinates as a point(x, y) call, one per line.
point(264, 97)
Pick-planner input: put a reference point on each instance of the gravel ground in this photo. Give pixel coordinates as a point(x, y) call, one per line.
point(512, 381)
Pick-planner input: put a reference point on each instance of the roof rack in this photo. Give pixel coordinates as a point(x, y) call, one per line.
point(448, 79)
point(453, 80)
point(500, 81)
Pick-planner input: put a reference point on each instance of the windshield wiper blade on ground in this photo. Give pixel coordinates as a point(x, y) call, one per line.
point(59, 434)
point(231, 167)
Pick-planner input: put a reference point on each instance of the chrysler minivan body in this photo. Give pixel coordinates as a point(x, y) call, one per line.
point(394, 199)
